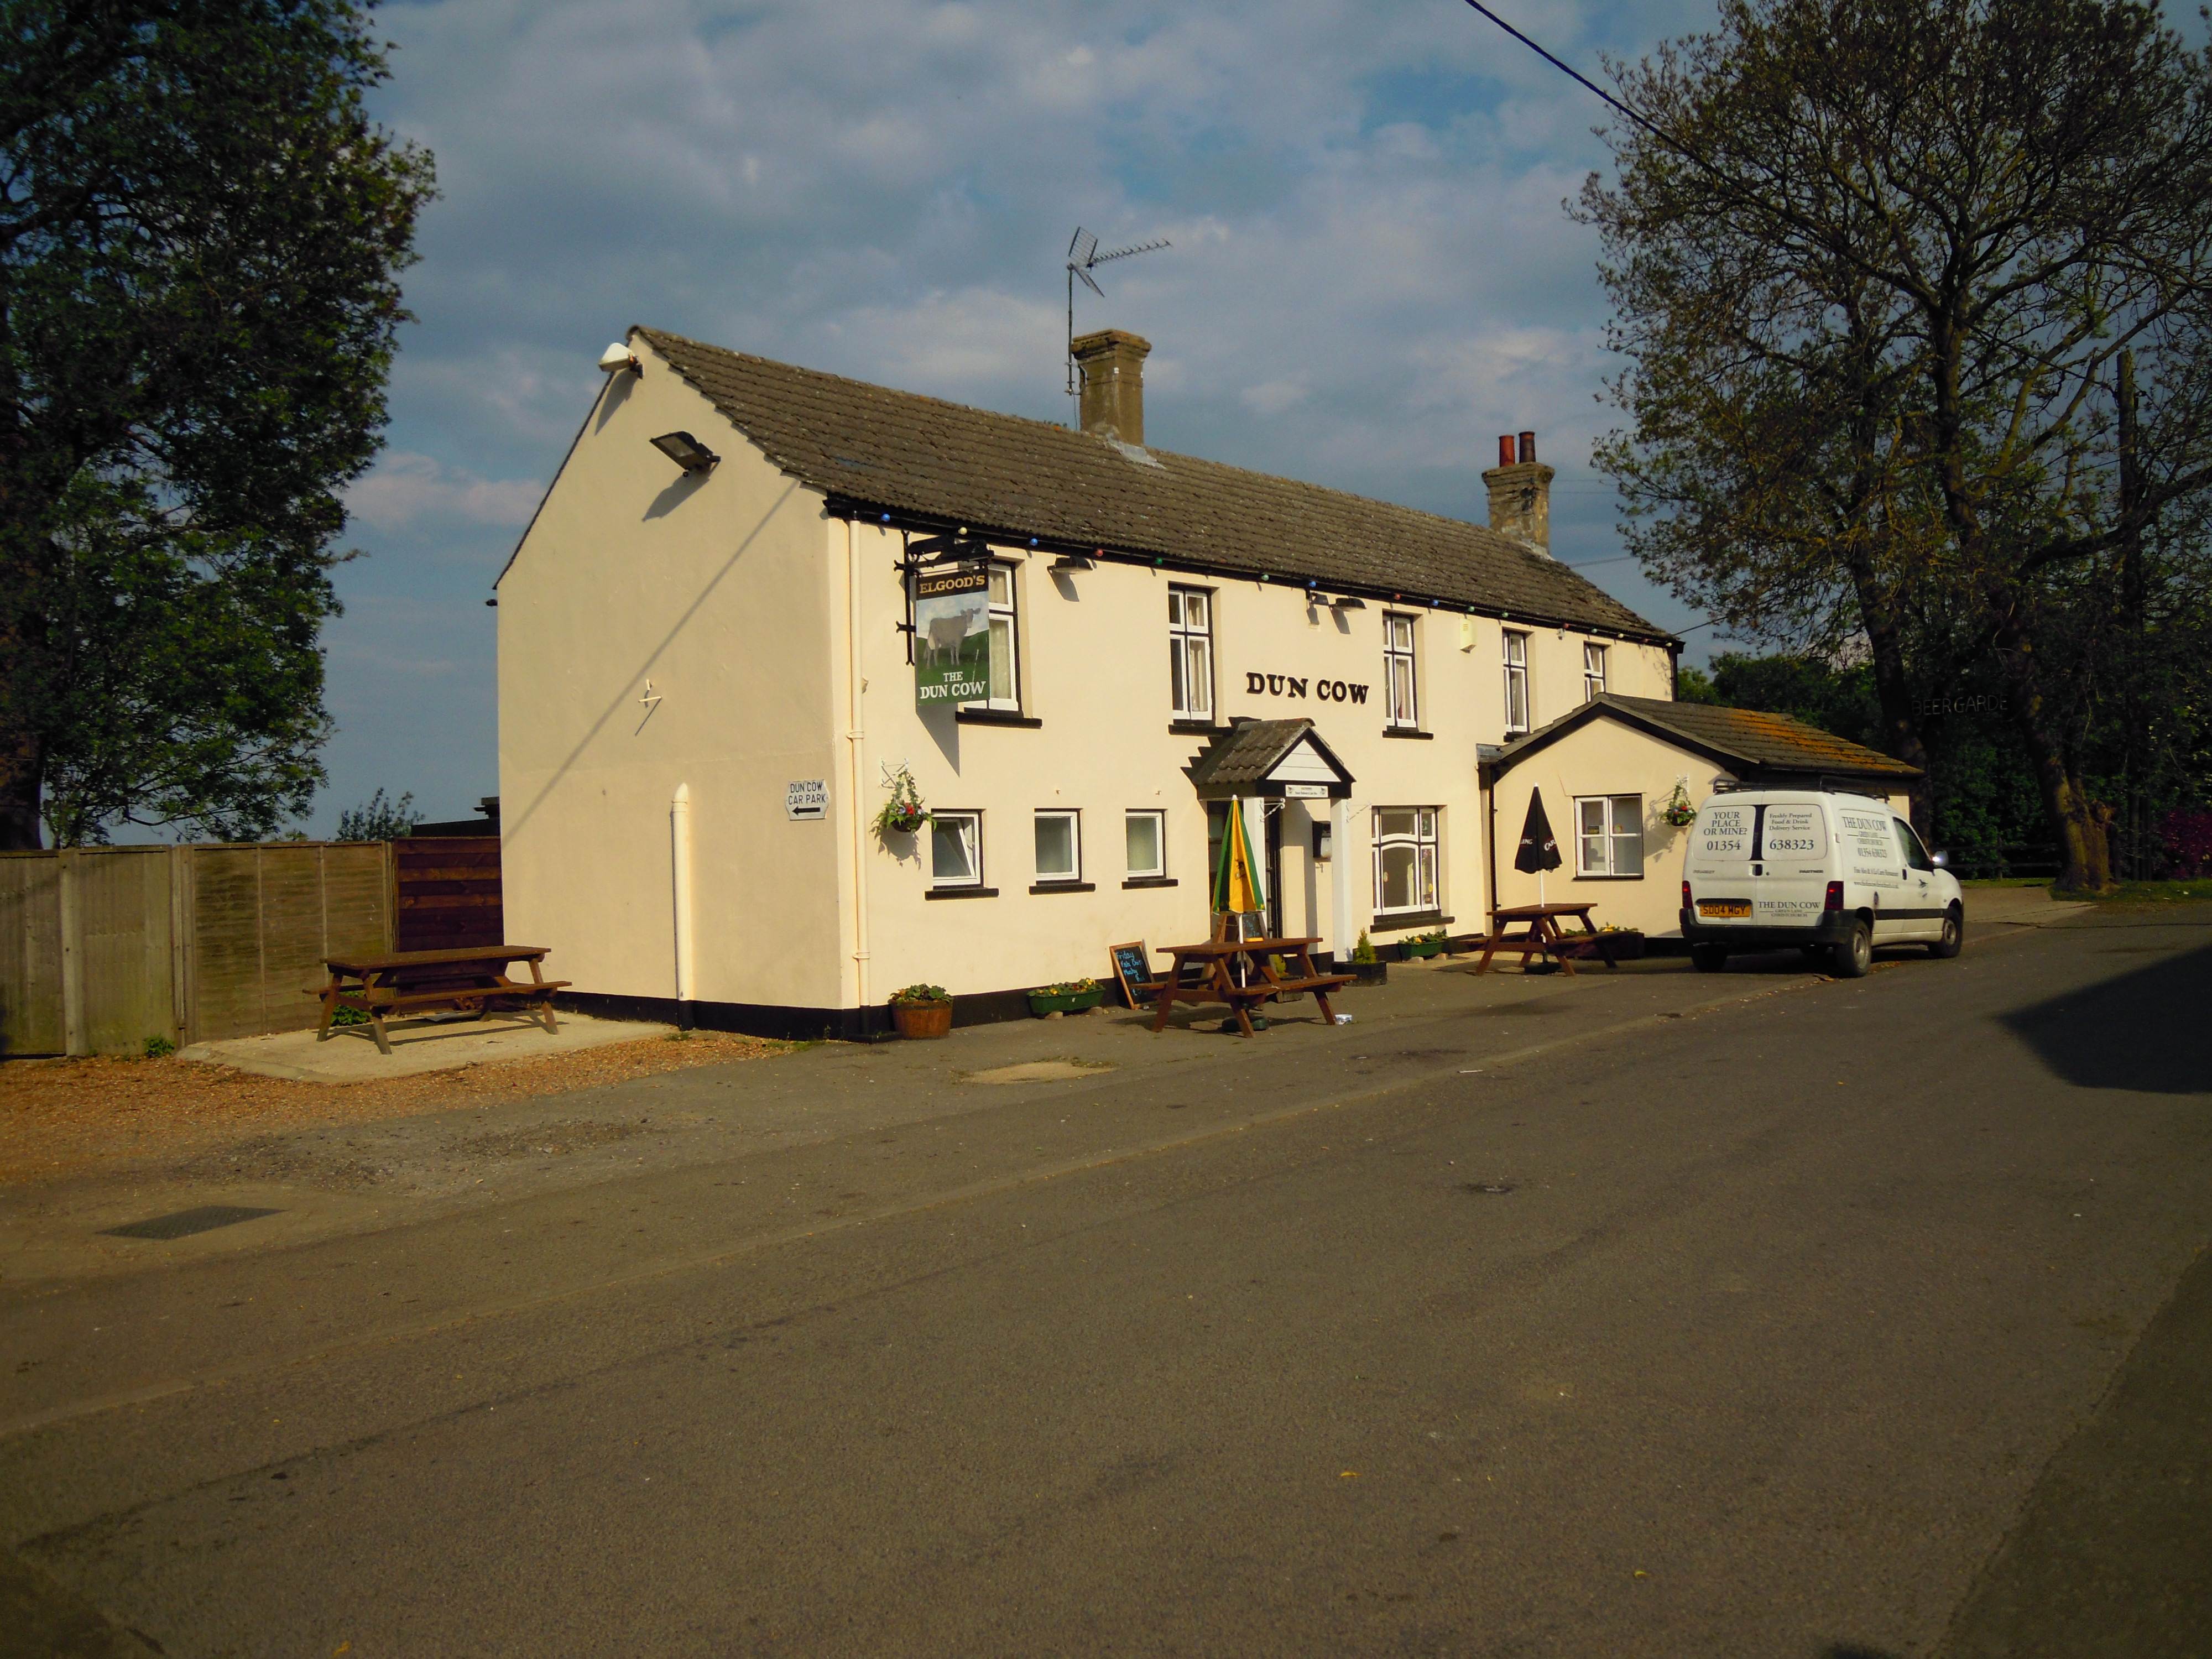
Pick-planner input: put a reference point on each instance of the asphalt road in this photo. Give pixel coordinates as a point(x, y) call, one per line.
point(1855, 1319)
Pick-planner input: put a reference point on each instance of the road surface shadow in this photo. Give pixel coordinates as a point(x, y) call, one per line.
point(2141, 1032)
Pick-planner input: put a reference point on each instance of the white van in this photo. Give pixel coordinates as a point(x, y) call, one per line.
point(1835, 874)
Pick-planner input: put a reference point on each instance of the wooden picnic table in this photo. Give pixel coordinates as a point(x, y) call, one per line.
point(1216, 981)
point(470, 978)
point(1543, 934)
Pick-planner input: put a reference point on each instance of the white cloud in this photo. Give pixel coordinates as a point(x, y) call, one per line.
point(405, 488)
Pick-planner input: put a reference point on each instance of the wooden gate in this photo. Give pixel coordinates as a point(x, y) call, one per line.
point(448, 892)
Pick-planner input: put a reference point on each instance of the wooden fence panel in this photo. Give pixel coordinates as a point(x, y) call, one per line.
point(292, 930)
point(119, 903)
point(224, 945)
point(356, 899)
point(31, 1021)
point(448, 892)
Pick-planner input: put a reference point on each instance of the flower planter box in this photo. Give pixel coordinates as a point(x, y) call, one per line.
point(1416, 949)
point(1081, 1002)
point(1369, 972)
point(1627, 946)
point(922, 1019)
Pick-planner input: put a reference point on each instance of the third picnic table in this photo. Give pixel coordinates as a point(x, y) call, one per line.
point(1543, 934)
point(1217, 983)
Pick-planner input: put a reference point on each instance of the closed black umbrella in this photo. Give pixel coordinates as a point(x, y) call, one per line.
point(1539, 851)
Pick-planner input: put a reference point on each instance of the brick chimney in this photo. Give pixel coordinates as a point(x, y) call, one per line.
point(1112, 365)
point(1519, 492)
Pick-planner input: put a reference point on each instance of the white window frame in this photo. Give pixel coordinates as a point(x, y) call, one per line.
point(1005, 575)
point(1159, 842)
point(1058, 879)
point(1611, 836)
point(974, 821)
point(1426, 841)
point(1401, 700)
point(1517, 682)
point(1190, 654)
point(1593, 663)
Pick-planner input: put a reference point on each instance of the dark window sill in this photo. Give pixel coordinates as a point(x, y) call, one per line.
point(1398, 919)
point(1195, 728)
point(994, 717)
point(1408, 731)
point(1064, 887)
point(961, 892)
point(1151, 881)
point(1637, 877)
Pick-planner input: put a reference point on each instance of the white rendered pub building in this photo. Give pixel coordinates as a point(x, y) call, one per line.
point(760, 605)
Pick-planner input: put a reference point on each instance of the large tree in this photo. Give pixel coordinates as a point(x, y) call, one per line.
point(200, 237)
point(1929, 233)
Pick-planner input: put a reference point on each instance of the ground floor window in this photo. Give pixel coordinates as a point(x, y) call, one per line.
point(1609, 835)
point(1146, 836)
point(1404, 859)
point(1059, 847)
point(956, 849)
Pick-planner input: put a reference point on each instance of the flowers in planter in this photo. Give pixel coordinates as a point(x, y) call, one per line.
point(1678, 811)
point(904, 813)
point(922, 993)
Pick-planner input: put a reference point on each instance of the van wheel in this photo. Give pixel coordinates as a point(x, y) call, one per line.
point(1954, 936)
point(1854, 954)
point(1708, 959)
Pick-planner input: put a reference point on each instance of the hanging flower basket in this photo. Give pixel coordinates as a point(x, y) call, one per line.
point(904, 813)
point(1678, 811)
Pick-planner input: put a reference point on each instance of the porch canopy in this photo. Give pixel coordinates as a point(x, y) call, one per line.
point(1286, 760)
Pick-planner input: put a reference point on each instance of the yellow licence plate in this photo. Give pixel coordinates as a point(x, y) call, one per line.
point(1723, 907)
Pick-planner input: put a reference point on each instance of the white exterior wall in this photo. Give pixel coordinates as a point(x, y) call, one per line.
point(715, 590)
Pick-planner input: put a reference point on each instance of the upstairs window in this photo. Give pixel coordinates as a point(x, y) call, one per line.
point(1516, 682)
point(1059, 848)
point(1190, 654)
point(1400, 709)
point(1145, 833)
point(1005, 666)
point(1593, 672)
point(956, 849)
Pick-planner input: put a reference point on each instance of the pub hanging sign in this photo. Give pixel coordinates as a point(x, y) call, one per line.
point(952, 636)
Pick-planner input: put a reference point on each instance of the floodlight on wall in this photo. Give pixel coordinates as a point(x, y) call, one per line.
point(619, 356)
point(1072, 561)
point(1348, 602)
point(686, 451)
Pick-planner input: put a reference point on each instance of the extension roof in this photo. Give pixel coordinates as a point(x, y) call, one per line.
point(874, 449)
point(1749, 742)
point(1239, 759)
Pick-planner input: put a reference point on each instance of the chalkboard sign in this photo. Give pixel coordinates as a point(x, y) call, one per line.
point(1133, 966)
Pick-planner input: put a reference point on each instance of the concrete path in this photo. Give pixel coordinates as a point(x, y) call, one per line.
point(349, 1054)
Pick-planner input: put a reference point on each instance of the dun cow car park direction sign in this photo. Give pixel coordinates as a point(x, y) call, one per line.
point(807, 799)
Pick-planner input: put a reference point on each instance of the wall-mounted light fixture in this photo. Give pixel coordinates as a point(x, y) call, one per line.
point(1348, 602)
point(1072, 561)
point(686, 451)
point(619, 356)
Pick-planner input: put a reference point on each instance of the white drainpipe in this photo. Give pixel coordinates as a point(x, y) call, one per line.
point(679, 831)
point(1339, 878)
point(855, 740)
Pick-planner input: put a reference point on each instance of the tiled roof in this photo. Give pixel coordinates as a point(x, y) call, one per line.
point(1017, 478)
point(1752, 740)
point(1250, 749)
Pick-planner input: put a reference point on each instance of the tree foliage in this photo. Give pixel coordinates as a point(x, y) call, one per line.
point(200, 237)
point(1915, 297)
point(379, 819)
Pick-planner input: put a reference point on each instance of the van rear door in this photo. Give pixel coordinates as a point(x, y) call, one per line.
point(1718, 865)
point(1790, 864)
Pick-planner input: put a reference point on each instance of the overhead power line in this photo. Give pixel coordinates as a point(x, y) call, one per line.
point(1567, 69)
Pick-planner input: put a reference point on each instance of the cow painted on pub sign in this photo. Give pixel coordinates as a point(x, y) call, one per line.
point(951, 636)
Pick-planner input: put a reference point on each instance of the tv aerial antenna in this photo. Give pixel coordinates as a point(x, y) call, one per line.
point(1083, 259)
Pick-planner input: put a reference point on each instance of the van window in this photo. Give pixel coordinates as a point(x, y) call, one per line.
point(1915, 855)
point(1723, 831)
point(1794, 833)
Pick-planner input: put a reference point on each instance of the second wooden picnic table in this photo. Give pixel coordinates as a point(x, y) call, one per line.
point(471, 979)
point(1543, 934)
point(1217, 982)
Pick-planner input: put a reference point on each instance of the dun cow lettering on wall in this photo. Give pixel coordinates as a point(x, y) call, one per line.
point(1294, 686)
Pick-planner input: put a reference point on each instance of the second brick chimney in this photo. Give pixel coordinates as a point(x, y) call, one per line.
point(1519, 492)
point(1112, 365)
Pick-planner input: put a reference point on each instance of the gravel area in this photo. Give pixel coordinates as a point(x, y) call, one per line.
point(60, 1118)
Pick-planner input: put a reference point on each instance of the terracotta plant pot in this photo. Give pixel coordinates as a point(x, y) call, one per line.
point(922, 1019)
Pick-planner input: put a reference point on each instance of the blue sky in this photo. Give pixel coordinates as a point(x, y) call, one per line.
point(1372, 274)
